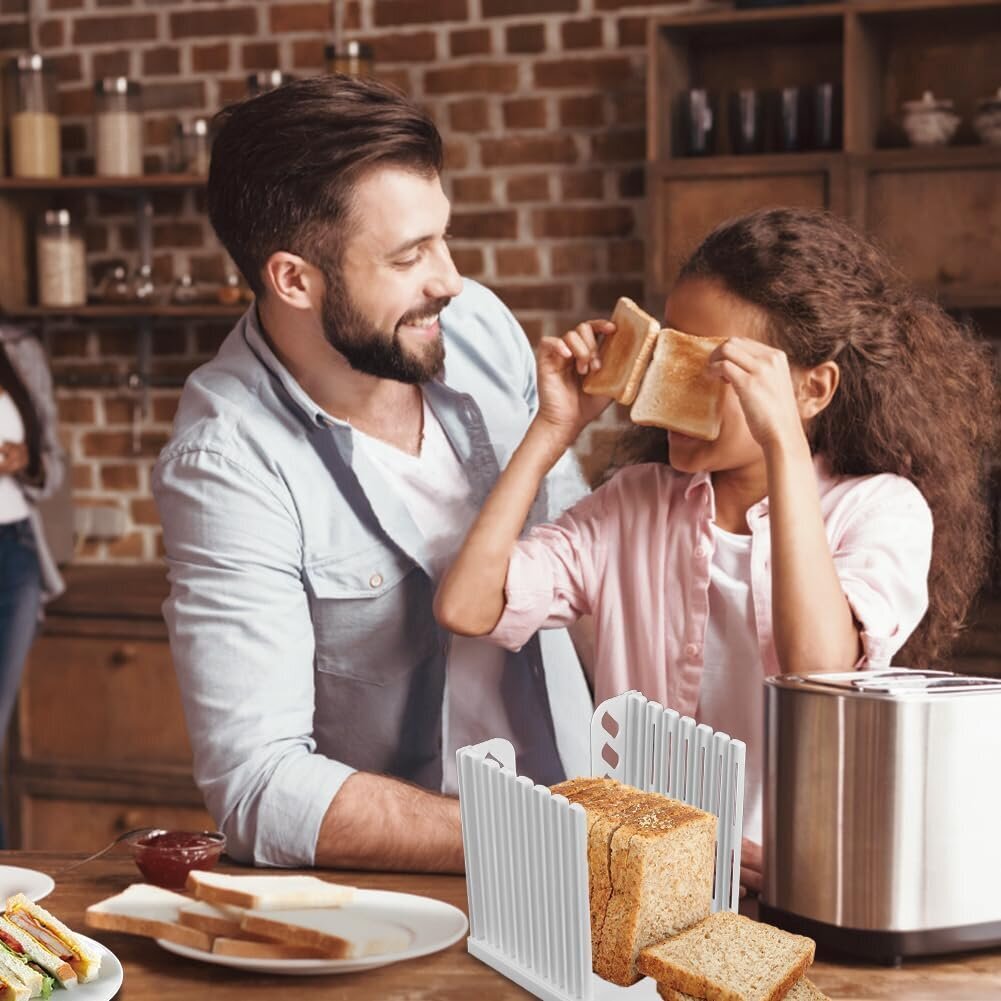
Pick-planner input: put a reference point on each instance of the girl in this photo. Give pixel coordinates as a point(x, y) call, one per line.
point(800, 541)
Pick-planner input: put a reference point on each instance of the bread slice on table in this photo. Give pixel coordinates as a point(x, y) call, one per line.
point(625, 354)
point(677, 392)
point(803, 990)
point(662, 864)
point(650, 869)
point(337, 934)
point(144, 909)
point(214, 919)
point(728, 957)
point(48, 932)
point(270, 893)
point(259, 949)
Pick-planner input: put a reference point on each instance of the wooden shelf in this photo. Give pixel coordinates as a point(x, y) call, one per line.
point(763, 163)
point(143, 183)
point(208, 311)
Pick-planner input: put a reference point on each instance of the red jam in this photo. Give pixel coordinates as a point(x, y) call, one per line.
point(166, 857)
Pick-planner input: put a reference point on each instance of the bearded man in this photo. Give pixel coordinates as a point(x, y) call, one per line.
point(323, 470)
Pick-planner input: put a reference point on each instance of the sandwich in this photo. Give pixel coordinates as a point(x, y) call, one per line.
point(624, 355)
point(270, 893)
point(677, 392)
point(144, 909)
point(45, 941)
point(18, 976)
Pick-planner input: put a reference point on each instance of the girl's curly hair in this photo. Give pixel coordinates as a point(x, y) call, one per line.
point(917, 397)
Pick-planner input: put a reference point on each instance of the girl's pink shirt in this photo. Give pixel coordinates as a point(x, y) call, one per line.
point(636, 554)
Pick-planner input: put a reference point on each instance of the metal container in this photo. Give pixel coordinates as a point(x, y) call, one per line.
point(882, 811)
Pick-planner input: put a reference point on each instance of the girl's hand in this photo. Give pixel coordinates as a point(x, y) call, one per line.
point(562, 363)
point(761, 378)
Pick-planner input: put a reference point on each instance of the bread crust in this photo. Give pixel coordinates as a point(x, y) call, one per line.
point(625, 354)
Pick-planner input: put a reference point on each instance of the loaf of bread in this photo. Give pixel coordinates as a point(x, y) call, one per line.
point(650, 865)
point(728, 957)
point(677, 392)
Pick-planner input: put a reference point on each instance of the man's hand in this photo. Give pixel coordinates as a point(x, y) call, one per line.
point(750, 867)
point(13, 458)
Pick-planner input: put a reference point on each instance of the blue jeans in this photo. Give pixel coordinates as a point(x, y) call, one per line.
point(20, 600)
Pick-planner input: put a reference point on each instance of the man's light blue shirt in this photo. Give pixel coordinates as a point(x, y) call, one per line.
point(300, 608)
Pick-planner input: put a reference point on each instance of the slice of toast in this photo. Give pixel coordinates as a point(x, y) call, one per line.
point(625, 354)
point(677, 392)
point(803, 990)
point(728, 957)
point(143, 909)
point(661, 869)
point(214, 919)
point(271, 893)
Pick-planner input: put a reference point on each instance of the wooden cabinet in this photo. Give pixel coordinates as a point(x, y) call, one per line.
point(98, 744)
point(937, 210)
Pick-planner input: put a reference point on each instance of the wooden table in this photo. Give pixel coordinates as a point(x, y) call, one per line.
point(152, 974)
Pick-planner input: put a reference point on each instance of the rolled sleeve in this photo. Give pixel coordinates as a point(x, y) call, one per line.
point(242, 643)
point(552, 575)
point(882, 562)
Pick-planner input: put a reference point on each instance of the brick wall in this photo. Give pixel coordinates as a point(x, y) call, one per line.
point(542, 106)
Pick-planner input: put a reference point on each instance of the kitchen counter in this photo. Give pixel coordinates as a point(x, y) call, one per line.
point(153, 974)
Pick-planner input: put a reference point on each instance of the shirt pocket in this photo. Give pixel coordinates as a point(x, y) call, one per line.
point(371, 613)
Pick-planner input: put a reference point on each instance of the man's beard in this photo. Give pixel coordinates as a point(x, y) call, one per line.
point(372, 351)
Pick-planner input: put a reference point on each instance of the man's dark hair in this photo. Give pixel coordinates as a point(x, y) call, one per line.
point(284, 165)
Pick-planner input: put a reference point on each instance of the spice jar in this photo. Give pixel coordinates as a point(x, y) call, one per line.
point(115, 287)
point(228, 293)
point(351, 58)
point(258, 83)
point(34, 124)
point(62, 261)
point(118, 133)
point(191, 150)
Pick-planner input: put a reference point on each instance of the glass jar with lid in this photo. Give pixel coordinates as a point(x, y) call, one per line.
point(351, 58)
point(191, 149)
point(34, 123)
point(62, 261)
point(118, 127)
point(259, 83)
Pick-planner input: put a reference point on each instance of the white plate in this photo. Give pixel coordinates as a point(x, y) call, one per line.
point(432, 926)
point(108, 982)
point(33, 884)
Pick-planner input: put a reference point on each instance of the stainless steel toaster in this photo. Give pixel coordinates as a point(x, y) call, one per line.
point(882, 811)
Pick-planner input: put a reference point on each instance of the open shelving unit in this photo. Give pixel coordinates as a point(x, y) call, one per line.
point(938, 210)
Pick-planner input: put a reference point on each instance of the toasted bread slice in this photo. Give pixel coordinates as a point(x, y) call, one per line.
point(662, 863)
point(728, 957)
point(677, 392)
point(50, 932)
point(625, 354)
point(143, 909)
point(803, 990)
point(270, 893)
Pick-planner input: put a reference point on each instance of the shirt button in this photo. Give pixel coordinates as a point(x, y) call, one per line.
point(691, 650)
point(375, 580)
point(700, 551)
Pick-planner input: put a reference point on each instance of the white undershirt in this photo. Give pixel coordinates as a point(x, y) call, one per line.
point(731, 695)
point(435, 491)
point(13, 506)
